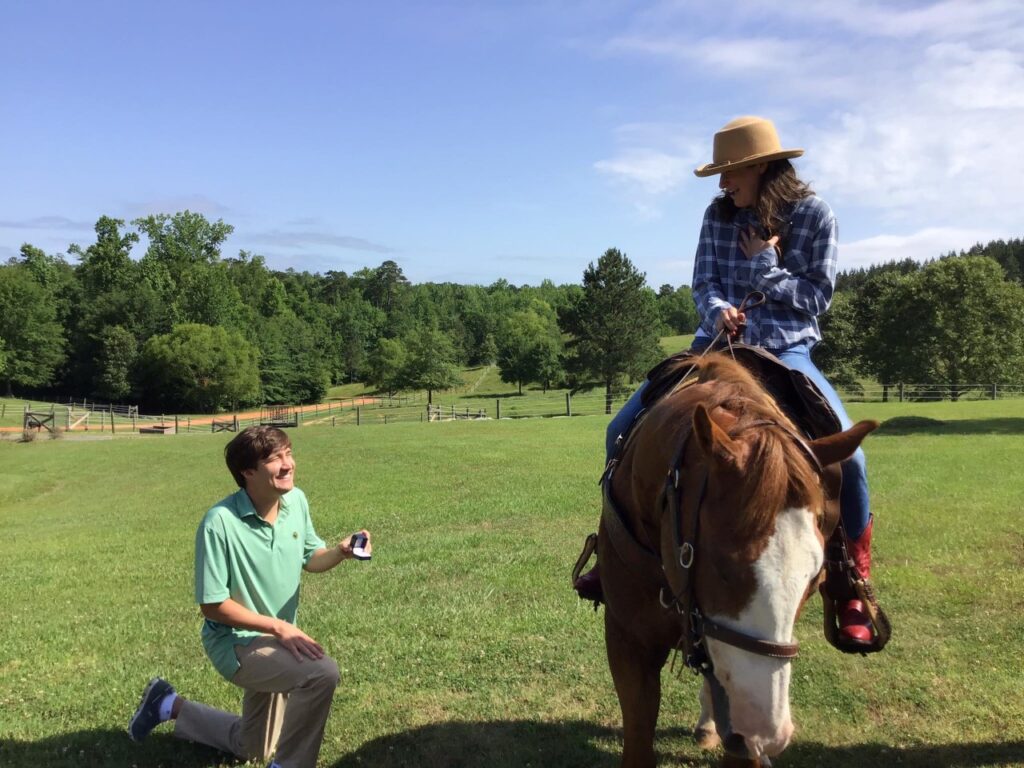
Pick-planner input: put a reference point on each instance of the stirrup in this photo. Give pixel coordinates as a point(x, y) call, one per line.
point(589, 547)
point(881, 629)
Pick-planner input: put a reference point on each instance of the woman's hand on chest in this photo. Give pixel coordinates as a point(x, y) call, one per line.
point(751, 243)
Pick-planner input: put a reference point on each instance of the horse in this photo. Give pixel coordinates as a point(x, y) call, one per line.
point(720, 514)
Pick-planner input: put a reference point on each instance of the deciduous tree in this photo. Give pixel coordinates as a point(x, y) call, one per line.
point(33, 340)
point(431, 362)
point(386, 365)
point(957, 322)
point(118, 352)
point(201, 369)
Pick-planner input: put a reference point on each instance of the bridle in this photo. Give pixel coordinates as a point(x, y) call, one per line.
point(697, 626)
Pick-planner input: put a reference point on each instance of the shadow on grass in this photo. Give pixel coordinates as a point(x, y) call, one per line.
point(921, 425)
point(488, 745)
point(493, 744)
point(921, 756)
point(503, 744)
point(107, 748)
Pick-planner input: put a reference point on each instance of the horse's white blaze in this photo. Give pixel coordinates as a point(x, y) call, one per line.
point(758, 686)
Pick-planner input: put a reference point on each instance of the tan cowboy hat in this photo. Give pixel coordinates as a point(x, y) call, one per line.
point(746, 141)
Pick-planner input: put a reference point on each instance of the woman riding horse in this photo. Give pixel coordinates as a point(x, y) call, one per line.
point(767, 231)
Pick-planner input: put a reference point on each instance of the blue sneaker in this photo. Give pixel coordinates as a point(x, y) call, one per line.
point(147, 715)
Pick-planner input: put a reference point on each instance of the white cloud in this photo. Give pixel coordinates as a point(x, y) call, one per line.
point(969, 79)
point(652, 172)
point(939, 146)
point(925, 244)
point(653, 160)
point(951, 18)
point(733, 56)
point(909, 115)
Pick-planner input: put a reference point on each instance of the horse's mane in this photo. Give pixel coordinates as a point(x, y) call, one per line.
point(776, 475)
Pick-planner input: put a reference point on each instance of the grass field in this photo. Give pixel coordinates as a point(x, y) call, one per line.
point(461, 643)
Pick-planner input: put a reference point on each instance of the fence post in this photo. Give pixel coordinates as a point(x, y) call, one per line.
point(995, 391)
point(69, 419)
point(497, 408)
point(568, 405)
point(175, 423)
point(357, 415)
point(901, 391)
point(333, 420)
point(188, 423)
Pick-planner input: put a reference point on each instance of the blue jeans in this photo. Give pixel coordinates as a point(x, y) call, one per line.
point(854, 504)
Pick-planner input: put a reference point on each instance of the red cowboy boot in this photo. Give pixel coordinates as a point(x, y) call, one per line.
point(854, 624)
point(588, 586)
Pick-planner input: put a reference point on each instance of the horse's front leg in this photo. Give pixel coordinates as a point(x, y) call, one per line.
point(636, 671)
point(705, 733)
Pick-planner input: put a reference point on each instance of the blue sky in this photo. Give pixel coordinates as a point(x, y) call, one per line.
point(471, 141)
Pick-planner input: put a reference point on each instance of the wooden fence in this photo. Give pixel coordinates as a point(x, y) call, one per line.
point(82, 416)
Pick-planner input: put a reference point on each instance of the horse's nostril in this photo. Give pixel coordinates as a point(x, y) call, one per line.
point(736, 746)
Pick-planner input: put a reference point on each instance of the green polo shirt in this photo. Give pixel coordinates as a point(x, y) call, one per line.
point(258, 565)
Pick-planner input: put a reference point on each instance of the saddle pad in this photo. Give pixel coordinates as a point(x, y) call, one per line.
point(797, 396)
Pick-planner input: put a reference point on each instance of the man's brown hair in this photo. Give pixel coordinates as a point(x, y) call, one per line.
point(250, 446)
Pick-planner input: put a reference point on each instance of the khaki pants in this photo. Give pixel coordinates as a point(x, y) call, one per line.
point(284, 708)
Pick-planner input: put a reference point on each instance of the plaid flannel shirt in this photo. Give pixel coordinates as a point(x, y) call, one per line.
point(798, 287)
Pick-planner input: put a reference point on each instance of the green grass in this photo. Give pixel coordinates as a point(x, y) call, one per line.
point(461, 644)
point(672, 344)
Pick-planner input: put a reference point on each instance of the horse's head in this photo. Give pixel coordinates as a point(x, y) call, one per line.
point(763, 524)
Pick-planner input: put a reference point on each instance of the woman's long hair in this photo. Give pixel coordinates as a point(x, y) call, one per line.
point(780, 188)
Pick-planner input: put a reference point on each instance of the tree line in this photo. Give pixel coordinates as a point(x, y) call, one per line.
point(957, 320)
point(187, 329)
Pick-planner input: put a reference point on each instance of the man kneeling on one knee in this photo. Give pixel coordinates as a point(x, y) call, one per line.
point(251, 549)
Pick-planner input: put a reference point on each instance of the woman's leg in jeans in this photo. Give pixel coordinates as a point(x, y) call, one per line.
point(621, 422)
point(588, 586)
point(853, 501)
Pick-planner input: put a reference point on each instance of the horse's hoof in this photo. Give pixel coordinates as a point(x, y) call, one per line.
point(706, 737)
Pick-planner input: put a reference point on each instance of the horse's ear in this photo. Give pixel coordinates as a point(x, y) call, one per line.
point(714, 443)
point(840, 446)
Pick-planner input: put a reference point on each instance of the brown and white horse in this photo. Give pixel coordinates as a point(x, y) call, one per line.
point(737, 553)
